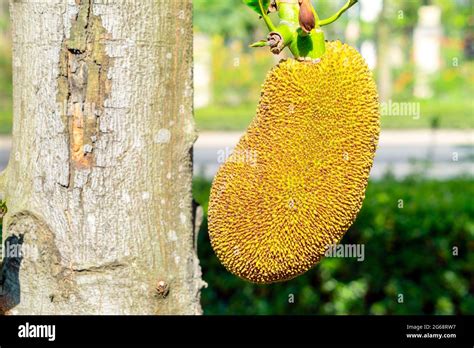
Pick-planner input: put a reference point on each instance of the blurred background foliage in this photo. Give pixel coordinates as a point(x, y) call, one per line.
point(5, 70)
point(408, 251)
point(238, 71)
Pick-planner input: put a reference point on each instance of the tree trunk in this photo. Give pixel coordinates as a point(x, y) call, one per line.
point(98, 188)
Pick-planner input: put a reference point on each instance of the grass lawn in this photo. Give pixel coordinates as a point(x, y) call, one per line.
point(225, 118)
point(446, 113)
point(5, 116)
point(5, 88)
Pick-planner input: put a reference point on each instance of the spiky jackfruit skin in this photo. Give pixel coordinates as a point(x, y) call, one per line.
point(296, 181)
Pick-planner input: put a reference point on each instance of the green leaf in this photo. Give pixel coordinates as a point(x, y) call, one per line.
point(255, 5)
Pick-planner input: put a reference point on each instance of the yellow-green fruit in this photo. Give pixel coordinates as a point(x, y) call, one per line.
point(296, 180)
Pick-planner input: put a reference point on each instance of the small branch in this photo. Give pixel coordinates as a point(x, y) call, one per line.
point(335, 17)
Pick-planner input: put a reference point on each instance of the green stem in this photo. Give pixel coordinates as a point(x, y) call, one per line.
point(266, 18)
point(300, 43)
point(338, 14)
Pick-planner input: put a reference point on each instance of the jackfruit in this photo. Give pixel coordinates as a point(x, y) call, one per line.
point(297, 178)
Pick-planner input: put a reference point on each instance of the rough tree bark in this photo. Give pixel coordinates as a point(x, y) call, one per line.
point(98, 188)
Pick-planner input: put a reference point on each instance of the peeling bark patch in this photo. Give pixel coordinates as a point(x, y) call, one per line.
point(41, 260)
point(83, 85)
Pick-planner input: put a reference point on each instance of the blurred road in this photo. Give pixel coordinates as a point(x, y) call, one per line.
point(5, 147)
point(401, 151)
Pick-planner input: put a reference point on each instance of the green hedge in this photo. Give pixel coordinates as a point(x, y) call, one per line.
point(408, 251)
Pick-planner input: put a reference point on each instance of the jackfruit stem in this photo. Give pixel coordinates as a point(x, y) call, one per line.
point(301, 43)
